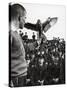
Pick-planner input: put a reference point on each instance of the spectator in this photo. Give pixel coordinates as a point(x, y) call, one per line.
point(33, 36)
point(25, 37)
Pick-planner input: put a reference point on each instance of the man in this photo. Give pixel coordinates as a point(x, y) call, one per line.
point(25, 37)
point(33, 36)
point(17, 62)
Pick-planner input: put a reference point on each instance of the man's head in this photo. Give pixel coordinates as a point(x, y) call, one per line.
point(33, 33)
point(17, 15)
point(25, 33)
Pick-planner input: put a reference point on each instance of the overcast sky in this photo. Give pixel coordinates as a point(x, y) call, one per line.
point(42, 12)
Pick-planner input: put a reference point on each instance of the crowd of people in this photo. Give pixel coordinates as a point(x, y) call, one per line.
point(46, 63)
point(25, 37)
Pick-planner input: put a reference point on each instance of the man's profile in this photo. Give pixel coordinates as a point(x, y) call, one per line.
point(17, 62)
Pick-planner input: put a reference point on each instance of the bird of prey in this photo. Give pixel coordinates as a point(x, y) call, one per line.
point(40, 27)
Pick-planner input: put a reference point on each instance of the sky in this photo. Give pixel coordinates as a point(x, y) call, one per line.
point(42, 12)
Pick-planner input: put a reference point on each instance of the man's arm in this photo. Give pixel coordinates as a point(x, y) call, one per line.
point(30, 26)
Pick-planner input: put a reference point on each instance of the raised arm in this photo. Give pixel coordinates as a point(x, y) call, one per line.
point(30, 26)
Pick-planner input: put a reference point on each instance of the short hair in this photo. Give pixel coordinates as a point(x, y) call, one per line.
point(15, 10)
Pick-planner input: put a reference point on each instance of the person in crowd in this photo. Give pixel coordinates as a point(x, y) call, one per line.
point(33, 36)
point(25, 37)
